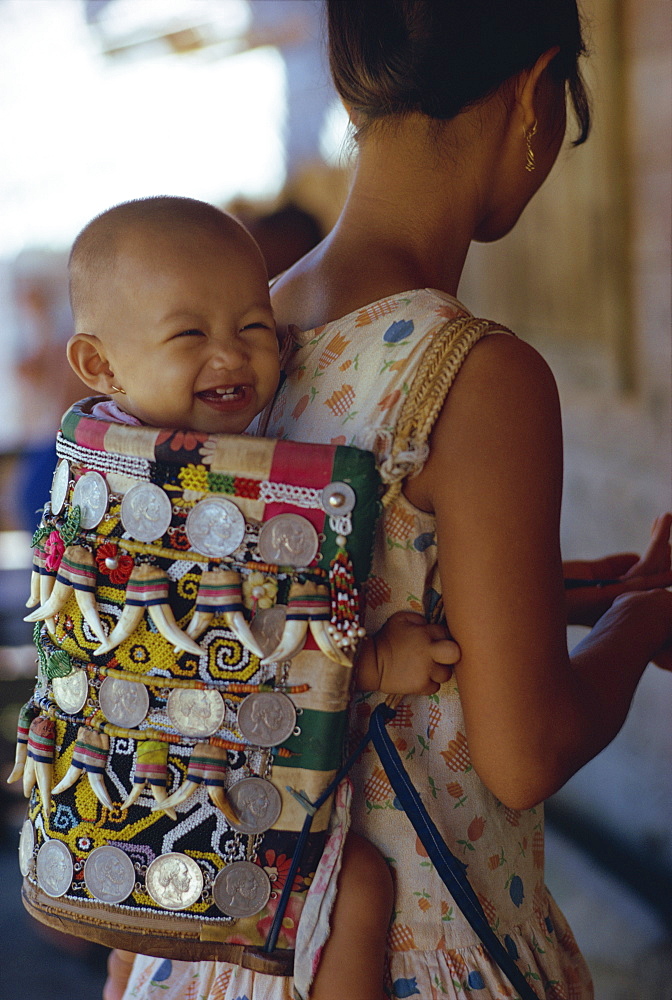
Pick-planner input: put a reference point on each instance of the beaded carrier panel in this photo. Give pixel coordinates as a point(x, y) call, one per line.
point(196, 610)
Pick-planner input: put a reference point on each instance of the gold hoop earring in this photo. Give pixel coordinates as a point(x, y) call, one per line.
point(115, 388)
point(529, 152)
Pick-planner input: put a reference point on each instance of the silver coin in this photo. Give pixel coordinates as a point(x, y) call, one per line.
point(54, 868)
point(241, 889)
point(109, 874)
point(215, 527)
point(266, 718)
point(90, 495)
point(288, 540)
point(72, 691)
point(267, 626)
point(146, 512)
point(338, 499)
point(123, 703)
point(26, 848)
point(174, 881)
point(195, 713)
point(257, 804)
point(59, 486)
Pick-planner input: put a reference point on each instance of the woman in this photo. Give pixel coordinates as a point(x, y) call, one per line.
point(459, 111)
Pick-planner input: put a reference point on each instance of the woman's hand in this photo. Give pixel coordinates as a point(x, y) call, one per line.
point(614, 575)
point(407, 656)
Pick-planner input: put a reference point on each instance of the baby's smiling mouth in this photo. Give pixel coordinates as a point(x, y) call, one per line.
point(225, 397)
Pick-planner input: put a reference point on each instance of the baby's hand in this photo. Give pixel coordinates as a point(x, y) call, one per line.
point(407, 656)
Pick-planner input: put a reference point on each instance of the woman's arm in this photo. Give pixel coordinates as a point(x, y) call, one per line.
point(494, 480)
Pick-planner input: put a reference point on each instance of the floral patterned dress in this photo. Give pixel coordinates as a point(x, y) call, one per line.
point(345, 384)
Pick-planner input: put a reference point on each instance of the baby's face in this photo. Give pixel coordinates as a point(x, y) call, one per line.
point(189, 332)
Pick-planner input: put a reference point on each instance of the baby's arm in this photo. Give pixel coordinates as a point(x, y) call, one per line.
point(407, 656)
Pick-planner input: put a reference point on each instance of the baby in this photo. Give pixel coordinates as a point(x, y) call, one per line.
point(174, 324)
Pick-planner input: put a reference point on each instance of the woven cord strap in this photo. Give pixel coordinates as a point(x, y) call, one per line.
point(435, 375)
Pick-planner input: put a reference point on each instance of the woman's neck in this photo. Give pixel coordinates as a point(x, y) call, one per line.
point(407, 223)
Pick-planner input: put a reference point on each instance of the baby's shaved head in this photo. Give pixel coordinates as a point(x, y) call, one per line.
point(96, 250)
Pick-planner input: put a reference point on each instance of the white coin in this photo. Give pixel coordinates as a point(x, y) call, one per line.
point(266, 718)
point(146, 512)
point(338, 499)
point(26, 847)
point(215, 527)
point(195, 713)
point(174, 881)
point(288, 540)
point(90, 495)
point(123, 703)
point(109, 874)
point(241, 889)
point(72, 691)
point(54, 868)
point(257, 804)
point(59, 486)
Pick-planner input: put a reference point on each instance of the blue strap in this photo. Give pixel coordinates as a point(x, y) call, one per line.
point(450, 869)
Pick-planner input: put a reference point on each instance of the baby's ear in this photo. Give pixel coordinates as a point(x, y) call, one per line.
point(87, 359)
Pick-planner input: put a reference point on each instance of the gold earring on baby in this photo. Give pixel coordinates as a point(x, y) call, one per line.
point(115, 388)
point(529, 152)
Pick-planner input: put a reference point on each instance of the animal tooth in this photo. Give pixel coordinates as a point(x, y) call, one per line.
point(56, 602)
point(293, 639)
point(148, 588)
point(72, 775)
point(128, 621)
point(180, 795)
point(238, 625)
point(326, 644)
point(34, 597)
point(219, 591)
point(162, 616)
point(151, 767)
point(306, 602)
point(41, 740)
point(90, 755)
point(207, 765)
point(218, 797)
point(160, 795)
point(26, 716)
point(89, 608)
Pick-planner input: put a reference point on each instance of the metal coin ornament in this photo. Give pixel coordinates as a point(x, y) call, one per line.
point(123, 703)
point(257, 803)
point(70, 692)
point(55, 868)
point(241, 889)
point(91, 496)
point(195, 713)
point(266, 718)
point(215, 527)
point(59, 486)
point(109, 874)
point(338, 499)
point(288, 540)
point(26, 848)
point(174, 881)
point(146, 512)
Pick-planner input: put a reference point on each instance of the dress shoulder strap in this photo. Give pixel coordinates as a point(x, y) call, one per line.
point(433, 378)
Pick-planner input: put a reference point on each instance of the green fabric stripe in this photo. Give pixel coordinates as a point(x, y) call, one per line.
point(357, 468)
point(319, 747)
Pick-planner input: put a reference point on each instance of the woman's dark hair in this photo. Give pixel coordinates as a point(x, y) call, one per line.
point(391, 57)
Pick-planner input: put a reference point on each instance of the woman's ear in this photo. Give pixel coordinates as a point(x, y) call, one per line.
point(528, 81)
point(87, 359)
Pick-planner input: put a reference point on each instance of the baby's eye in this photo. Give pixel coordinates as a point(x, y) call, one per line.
point(256, 326)
point(190, 333)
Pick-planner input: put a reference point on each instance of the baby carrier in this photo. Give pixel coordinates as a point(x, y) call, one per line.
point(196, 610)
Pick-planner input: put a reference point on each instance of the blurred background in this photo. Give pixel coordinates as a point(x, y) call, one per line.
point(230, 101)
